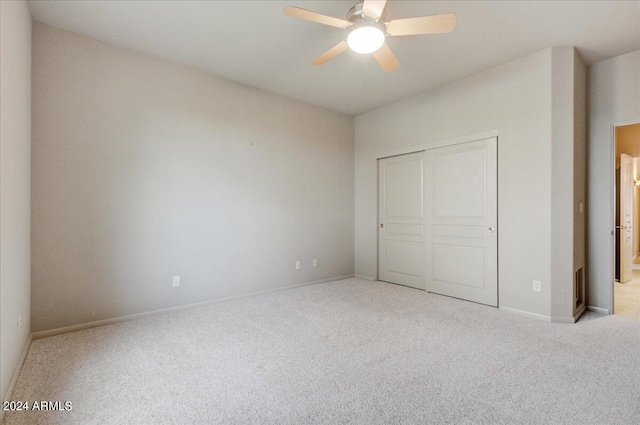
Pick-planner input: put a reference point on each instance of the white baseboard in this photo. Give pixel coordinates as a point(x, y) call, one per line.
point(526, 313)
point(598, 310)
point(552, 319)
point(562, 319)
point(113, 320)
point(359, 276)
point(574, 319)
point(16, 373)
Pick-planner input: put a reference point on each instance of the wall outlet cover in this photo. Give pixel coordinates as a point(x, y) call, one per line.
point(176, 281)
point(298, 265)
point(537, 286)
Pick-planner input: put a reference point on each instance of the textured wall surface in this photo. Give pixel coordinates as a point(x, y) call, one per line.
point(144, 169)
point(15, 179)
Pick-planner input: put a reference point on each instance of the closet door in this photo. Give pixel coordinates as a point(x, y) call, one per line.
point(461, 235)
point(401, 220)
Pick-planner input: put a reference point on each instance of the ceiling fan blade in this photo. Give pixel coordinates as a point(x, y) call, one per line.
point(308, 15)
point(385, 57)
point(422, 25)
point(331, 53)
point(372, 9)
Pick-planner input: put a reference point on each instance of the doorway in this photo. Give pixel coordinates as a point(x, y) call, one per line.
point(626, 285)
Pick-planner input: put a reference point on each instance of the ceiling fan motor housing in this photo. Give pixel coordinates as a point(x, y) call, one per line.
point(357, 16)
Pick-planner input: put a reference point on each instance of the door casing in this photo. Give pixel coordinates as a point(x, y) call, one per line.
point(613, 212)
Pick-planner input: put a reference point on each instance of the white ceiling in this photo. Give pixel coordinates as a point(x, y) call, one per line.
point(254, 43)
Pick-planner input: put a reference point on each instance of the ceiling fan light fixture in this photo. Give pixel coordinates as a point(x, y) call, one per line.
point(368, 28)
point(365, 39)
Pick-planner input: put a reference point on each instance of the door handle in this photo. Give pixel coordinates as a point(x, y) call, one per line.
point(492, 229)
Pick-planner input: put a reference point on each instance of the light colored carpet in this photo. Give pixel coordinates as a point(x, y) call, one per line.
point(343, 352)
point(627, 297)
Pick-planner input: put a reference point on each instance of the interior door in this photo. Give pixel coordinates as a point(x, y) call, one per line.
point(626, 217)
point(401, 216)
point(461, 235)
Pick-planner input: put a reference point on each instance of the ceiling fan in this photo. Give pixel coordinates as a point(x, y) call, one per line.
point(368, 28)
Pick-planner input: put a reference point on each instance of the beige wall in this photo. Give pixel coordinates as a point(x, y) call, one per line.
point(15, 182)
point(614, 98)
point(144, 169)
point(580, 171)
point(568, 179)
point(513, 98)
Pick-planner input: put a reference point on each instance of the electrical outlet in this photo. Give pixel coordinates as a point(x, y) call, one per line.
point(176, 281)
point(315, 262)
point(19, 322)
point(537, 286)
point(298, 265)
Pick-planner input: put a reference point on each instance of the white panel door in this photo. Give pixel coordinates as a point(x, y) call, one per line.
point(461, 236)
point(626, 217)
point(401, 211)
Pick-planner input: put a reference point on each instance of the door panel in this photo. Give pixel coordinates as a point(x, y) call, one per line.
point(403, 188)
point(459, 180)
point(461, 221)
point(404, 257)
point(626, 217)
point(401, 209)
